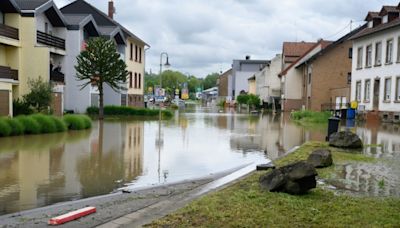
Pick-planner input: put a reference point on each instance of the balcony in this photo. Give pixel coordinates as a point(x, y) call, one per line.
point(8, 73)
point(9, 32)
point(56, 76)
point(47, 39)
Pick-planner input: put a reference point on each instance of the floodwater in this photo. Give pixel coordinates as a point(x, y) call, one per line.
point(36, 171)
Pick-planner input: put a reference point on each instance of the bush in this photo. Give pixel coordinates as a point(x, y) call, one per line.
point(74, 122)
point(40, 95)
point(5, 129)
point(242, 99)
point(249, 99)
point(87, 121)
point(46, 123)
point(92, 111)
point(127, 111)
point(59, 123)
point(31, 126)
point(20, 107)
point(17, 128)
point(310, 116)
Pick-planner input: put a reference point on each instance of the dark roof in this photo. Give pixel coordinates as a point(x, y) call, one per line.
point(337, 42)
point(30, 4)
point(371, 15)
point(9, 6)
point(73, 19)
point(77, 22)
point(252, 78)
point(388, 9)
point(368, 31)
point(102, 19)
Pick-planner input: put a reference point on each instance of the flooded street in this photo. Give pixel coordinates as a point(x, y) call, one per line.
point(42, 170)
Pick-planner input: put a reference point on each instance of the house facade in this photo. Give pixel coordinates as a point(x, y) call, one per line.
point(225, 84)
point(327, 76)
point(376, 64)
point(242, 70)
point(132, 51)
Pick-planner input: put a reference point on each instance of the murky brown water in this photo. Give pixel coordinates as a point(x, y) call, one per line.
point(41, 170)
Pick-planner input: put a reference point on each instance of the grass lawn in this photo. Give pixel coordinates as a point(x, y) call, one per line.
point(310, 117)
point(243, 204)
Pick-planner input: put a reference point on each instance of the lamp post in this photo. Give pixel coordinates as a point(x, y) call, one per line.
point(159, 114)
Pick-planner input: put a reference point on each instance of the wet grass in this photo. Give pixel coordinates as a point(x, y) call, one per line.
point(243, 204)
point(308, 117)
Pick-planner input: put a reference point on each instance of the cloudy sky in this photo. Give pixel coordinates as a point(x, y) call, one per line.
point(204, 36)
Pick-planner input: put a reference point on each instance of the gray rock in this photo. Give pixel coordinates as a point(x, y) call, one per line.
point(296, 179)
point(345, 139)
point(320, 158)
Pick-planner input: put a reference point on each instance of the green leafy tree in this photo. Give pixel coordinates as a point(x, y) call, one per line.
point(40, 95)
point(210, 80)
point(193, 84)
point(101, 64)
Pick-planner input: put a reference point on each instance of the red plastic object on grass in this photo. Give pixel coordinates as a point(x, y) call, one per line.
point(72, 216)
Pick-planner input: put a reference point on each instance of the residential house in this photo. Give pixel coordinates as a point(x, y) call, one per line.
point(225, 84)
point(268, 83)
point(131, 48)
point(376, 64)
point(242, 70)
point(292, 76)
point(327, 76)
point(10, 48)
point(41, 52)
point(252, 85)
point(80, 28)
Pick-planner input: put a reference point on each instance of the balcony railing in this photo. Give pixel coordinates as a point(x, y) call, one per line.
point(8, 73)
point(9, 32)
point(47, 39)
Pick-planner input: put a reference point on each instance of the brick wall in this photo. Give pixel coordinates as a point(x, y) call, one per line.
point(292, 104)
point(223, 84)
point(329, 76)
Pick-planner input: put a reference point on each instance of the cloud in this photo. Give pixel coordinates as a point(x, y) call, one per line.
point(204, 36)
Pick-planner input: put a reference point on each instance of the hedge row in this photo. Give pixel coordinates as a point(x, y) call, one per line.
point(127, 111)
point(42, 124)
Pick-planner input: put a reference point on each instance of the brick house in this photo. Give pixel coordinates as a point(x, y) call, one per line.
point(327, 76)
point(223, 83)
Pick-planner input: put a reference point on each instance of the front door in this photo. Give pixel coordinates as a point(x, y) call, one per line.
point(376, 95)
point(4, 102)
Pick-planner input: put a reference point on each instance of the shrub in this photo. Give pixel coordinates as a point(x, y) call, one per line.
point(92, 111)
point(31, 126)
point(128, 111)
point(40, 96)
point(242, 99)
point(310, 116)
point(59, 123)
point(5, 129)
point(74, 122)
point(20, 107)
point(46, 123)
point(17, 128)
point(87, 121)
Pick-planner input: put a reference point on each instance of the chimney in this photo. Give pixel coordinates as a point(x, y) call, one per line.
point(111, 9)
point(247, 57)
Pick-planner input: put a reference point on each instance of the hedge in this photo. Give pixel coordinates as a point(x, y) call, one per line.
point(127, 111)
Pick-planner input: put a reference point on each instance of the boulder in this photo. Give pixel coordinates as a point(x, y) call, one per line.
point(345, 139)
point(296, 179)
point(320, 158)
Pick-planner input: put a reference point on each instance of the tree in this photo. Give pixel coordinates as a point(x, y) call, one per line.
point(101, 64)
point(210, 80)
point(40, 95)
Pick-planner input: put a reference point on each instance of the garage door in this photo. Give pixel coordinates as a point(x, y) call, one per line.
point(4, 103)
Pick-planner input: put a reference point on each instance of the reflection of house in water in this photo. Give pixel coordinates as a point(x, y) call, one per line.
point(133, 151)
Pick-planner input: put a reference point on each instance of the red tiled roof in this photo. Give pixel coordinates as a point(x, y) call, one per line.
point(323, 44)
point(378, 28)
point(371, 15)
point(293, 50)
point(388, 9)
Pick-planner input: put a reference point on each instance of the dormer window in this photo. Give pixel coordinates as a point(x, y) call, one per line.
point(370, 24)
point(385, 19)
point(1, 17)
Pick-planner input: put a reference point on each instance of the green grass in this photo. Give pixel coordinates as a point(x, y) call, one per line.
point(46, 122)
point(31, 126)
point(5, 128)
point(310, 116)
point(17, 128)
point(243, 204)
point(128, 111)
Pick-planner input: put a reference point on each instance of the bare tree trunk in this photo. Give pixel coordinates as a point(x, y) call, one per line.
point(101, 105)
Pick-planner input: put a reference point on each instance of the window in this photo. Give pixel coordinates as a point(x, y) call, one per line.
point(350, 53)
point(358, 91)
point(1, 18)
point(389, 51)
point(136, 80)
point(388, 85)
point(378, 54)
point(131, 52)
point(359, 57)
point(398, 89)
point(309, 78)
point(46, 27)
point(398, 49)
point(136, 53)
point(367, 90)
point(368, 60)
point(349, 78)
point(140, 81)
point(385, 19)
point(140, 54)
point(130, 80)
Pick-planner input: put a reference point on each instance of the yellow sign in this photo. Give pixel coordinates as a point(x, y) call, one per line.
point(150, 89)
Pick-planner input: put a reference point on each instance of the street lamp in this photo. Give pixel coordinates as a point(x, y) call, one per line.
point(167, 65)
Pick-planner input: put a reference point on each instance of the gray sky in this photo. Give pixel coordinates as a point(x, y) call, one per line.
point(204, 36)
